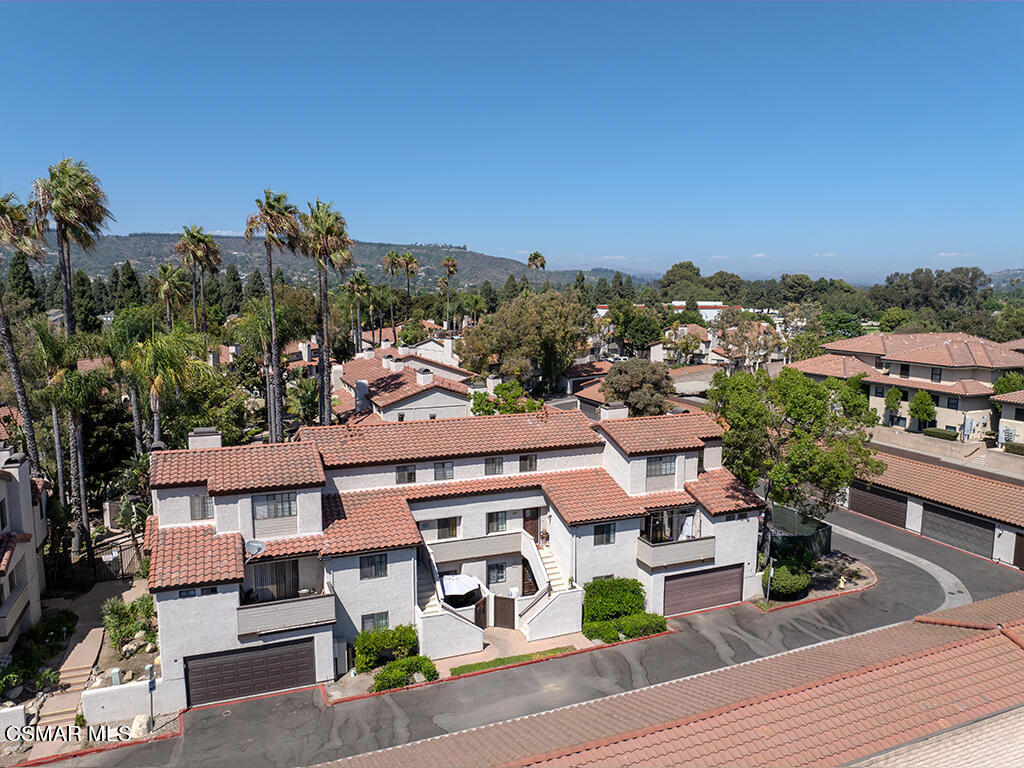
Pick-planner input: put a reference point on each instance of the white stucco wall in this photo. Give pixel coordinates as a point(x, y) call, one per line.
point(174, 508)
point(123, 702)
point(713, 454)
point(561, 615)
point(444, 634)
point(915, 513)
point(473, 511)
point(11, 717)
point(1005, 542)
point(560, 541)
point(735, 540)
point(618, 559)
point(442, 403)
point(394, 593)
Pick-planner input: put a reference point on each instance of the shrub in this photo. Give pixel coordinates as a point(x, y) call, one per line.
point(144, 568)
point(786, 582)
point(942, 434)
point(376, 646)
point(605, 631)
point(611, 598)
point(80, 720)
point(398, 673)
point(1016, 448)
point(142, 607)
point(10, 680)
point(641, 625)
point(46, 677)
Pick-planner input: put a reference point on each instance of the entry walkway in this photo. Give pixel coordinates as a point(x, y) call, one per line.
point(500, 642)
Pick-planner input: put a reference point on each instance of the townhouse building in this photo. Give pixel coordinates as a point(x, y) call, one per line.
point(268, 560)
point(1011, 421)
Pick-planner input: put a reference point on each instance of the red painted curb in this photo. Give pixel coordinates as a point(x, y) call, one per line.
point(105, 748)
point(818, 599)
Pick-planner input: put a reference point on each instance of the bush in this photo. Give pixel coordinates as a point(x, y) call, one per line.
point(611, 598)
point(1015, 448)
point(786, 582)
point(942, 434)
point(376, 646)
point(398, 673)
point(142, 607)
point(123, 621)
point(641, 625)
point(46, 677)
point(605, 631)
point(10, 680)
point(144, 568)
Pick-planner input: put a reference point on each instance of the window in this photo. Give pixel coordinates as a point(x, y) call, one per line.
point(276, 580)
point(493, 465)
point(186, 593)
point(953, 403)
point(202, 507)
point(700, 461)
point(405, 474)
point(401, 417)
point(528, 462)
point(904, 371)
point(497, 522)
point(447, 527)
point(3, 513)
point(659, 466)
point(905, 395)
point(879, 391)
point(273, 505)
point(878, 362)
point(372, 621)
point(936, 374)
point(432, 416)
point(444, 470)
point(208, 591)
point(604, 533)
point(495, 573)
point(373, 566)
point(1018, 415)
point(669, 525)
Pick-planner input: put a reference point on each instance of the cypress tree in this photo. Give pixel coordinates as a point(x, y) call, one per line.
point(113, 286)
point(255, 288)
point(83, 305)
point(232, 293)
point(509, 290)
point(617, 285)
point(279, 278)
point(20, 283)
point(100, 295)
point(490, 296)
point(129, 292)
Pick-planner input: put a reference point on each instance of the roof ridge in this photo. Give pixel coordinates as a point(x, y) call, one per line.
point(536, 414)
point(212, 448)
point(951, 469)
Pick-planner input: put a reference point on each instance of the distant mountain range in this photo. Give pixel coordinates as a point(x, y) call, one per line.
point(147, 250)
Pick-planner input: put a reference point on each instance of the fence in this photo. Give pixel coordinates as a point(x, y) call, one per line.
point(111, 561)
point(790, 531)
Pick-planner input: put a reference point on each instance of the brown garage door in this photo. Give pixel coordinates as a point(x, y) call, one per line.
point(879, 503)
point(693, 591)
point(958, 530)
point(233, 674)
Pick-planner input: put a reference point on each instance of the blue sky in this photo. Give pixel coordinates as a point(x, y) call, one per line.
point(855, 139)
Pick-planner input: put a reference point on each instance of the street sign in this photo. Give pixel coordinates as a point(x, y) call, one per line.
point(152, 685)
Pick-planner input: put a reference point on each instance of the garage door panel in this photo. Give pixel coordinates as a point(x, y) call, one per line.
point(250, 671)
point(957, 529)
point(703, 589)
point(879, 503)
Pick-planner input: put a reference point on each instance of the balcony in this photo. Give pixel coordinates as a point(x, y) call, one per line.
point(446, 550)
point(675, 552)
point(11, 611)
point(281, 615)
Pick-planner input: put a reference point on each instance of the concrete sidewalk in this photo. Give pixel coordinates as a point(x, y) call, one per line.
point(499, 643)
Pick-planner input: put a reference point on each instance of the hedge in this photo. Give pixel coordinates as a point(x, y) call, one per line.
point(629, 627)
point(376, 646)
point(1016, 448)
point(786, 582)
point(606, 599)
point(605, 631)
point(398, 673)
point(942, 434)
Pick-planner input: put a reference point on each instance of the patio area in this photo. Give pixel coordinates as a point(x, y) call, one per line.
point(500, 643)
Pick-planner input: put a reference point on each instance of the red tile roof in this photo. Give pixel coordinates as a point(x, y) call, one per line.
point(956, 353)
point(664, 499)
point(837, 366)
point(366, 521)
point(962, 388)
point(387, 387)
point(391, 333)
point(345, 412)
point(1010, 398)
point(149, 533)
point(690, 329)
point(582, 370)
point(592, 392)
point(289, 546)
point(8, 543)
point(719, 492)
point(1017, 345)
point(684, 371)
point(239, 469)
point(992, 499)
point(893, 343)
point(9, 417)
point(392, 442)
point(660, 434)
point(193, 555)
point(411, 358)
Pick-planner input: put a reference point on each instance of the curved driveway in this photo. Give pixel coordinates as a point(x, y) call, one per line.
point(915, 576)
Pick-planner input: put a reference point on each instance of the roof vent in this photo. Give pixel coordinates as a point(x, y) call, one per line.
point(424, 377)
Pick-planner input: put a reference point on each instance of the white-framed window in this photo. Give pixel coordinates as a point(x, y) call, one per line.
point(201, 507)
point(494, 465)
point(447, 527)
point(497, 522)
point(495, 573)
point(660, 466)
point(274, 505)
point(373, 566)
point(405, 474)
point(528, 462)
point(604, 533)
point(372, 621)
point(444, 470)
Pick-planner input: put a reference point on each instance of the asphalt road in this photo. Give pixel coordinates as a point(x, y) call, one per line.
point(299, 729)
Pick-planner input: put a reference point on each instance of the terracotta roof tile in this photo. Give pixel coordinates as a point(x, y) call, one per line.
point(961, 353)
point(593, 368)
point(1017, 345)
point(1010, 398)
point(893, 343)
point(239, 469)
point(963, 388)
point(365, 521)
point(387, 387)
point(592, 392)
point(193, 555)
point(287, 546)
point(663, 499)
point(685, 371)
point(660, 434)
point(719, 492)
point(391, 442)
point(8, 543)
point(149, 533)
point(838, 366)
point(9, 417)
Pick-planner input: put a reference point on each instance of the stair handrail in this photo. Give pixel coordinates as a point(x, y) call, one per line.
point(536, 599)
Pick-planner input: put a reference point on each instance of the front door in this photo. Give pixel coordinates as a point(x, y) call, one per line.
point(531, 522)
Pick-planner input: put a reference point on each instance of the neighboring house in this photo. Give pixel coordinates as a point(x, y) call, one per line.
point(440, 349)
point(956, 369)
point(578, 375)
point(693, 379)
point(832, 366)
point(959, 508)
point(275, 557)
point(1017, 345)
point(390, 334)
point(658, 353)
point(1011, 422)
point(746, 350)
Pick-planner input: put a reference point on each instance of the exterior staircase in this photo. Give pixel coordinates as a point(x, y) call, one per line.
point(556, 578)
point(426, 595)
point(61, 708)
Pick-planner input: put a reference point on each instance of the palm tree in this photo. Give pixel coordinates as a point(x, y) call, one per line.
point(304, 400)
point(168, 285)
point(200, 253)
point(392, 262)
point(55, 355)
point(276, 218)
point(186, 247)
point(17, 232)
point(172, 359)
point(117, 345)
point(325, 239)
point(450, 267)
point(358, 287)
point(477, 304)
point(536, 261)
point(410, 265)
point(71, 195)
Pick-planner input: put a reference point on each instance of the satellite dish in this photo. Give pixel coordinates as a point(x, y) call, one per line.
point(255, 547)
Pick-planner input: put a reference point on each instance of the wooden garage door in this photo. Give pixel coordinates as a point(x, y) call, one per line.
point(234, 674)
point(957, 529)
point(693, 591)
point(879, 503)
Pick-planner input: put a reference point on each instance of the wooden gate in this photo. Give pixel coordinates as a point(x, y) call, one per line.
point(480, 613)
point(505, 612)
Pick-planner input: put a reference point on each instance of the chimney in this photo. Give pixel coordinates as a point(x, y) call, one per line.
point(449, 347)
point(613, 411)
point(368, 354)
point(204, 437)
point(336, 371)
point(233, 349)
point(213, 358)
point(424, 377)
point(386, 343)
point(403, 350)
point(492, 382)
point(304, 352)
point(362, 395)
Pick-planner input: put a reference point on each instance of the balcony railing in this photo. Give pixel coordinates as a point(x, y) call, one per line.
point(280, 615)
point(11, 610)
point(675, 552)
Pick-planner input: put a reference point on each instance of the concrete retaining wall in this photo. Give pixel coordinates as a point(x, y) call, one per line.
point(562, 615)
point(123, 702)
point(11, 717)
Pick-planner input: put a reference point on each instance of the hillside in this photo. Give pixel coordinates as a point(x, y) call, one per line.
point(146, 250)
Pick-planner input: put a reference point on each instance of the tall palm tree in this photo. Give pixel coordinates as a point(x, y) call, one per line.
point(200, 253)
point(168, 285)
point(358, 287)
point(450, 267)
point(325, 239)
point(410, 265)
point(186, 248)
point(392, 262)
point(277, 219)
point(117, 345)
point(71, 195)
point(55, 354)
point(18, 233)
point(536, 261)
point(476, 304)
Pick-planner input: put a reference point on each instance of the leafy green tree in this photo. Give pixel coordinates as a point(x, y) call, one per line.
point(413, 331)
point(101, 296)
point(86, 313)
point(922, 408)
point(893, 400)
point(841, 325)
point(603, 292)
point(643, 330)
point(893, 318)
point(107, 440)
point(643, 386)
point(508, 397)
point(628, 289)
point(255, 288)
point(617, 290)
point(232, 294)
point(129, 292)
point(211, 401)
point(679, 344)
point(279, 277)
point(490, 296)
point(115, 278)
point(509, 291)
point(20, 283)
point(805, 440)
point(1011, 381)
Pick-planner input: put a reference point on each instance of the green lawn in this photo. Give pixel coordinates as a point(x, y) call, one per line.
point(505, 660)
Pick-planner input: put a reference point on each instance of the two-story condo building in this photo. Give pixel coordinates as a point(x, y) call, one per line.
point(268, 560)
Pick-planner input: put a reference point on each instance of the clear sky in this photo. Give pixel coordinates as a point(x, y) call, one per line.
point(855, 139)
